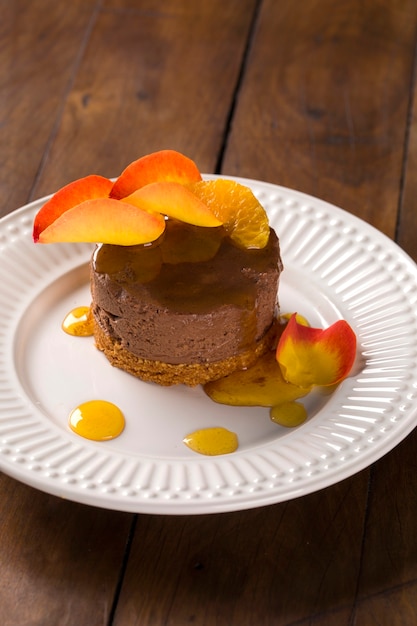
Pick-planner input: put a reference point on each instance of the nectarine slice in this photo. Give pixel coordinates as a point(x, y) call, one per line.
point(67, 197)
point(165, 165)
point(174, 200)
point(104, 220)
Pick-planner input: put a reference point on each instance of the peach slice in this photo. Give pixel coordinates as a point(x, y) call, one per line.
point(104, 220)
point(174, 200)
point(67, 197)
point(312, 356)
point(165, 165)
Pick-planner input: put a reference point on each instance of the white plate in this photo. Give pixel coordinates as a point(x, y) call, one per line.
point(336, 266)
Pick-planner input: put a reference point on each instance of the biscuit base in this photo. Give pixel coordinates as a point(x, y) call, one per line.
point(167, 374)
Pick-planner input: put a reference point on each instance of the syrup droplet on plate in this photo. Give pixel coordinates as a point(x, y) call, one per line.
point(98, 420)
point(288, 414)
point(79, 322)
point(212, 441)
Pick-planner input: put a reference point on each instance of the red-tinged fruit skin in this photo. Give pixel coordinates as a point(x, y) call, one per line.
point(313, 356)
point(67, 197)
point(105, 220)
point(174, 200)
point(165, 165)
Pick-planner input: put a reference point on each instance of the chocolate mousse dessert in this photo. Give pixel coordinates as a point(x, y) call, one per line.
point(188, 308)
point(184, 279)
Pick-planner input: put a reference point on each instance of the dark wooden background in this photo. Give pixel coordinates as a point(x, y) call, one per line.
point(317, 95)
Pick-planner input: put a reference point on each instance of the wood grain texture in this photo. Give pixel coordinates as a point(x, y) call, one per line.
point(324, 104)
point(390, 549)
point(398, 605)
point(407, 219)
point(40, 44)
point(59, 561)
point(274, 565)
point(162, 75)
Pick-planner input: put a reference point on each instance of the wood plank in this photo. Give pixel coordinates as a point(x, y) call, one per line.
point(324, 104)
point(407, 220)
point(400, 605)
point(59, 561)
point(273, 565)
point(134, 94)
point(390, 547)
point(389, 570)
point(32, 87)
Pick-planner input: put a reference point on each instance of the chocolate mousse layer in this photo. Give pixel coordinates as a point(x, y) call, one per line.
point(191, 298)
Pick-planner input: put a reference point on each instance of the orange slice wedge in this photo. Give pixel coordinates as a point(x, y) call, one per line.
point(243, 217)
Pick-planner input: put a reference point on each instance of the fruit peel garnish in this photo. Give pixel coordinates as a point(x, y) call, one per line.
point(316, 357)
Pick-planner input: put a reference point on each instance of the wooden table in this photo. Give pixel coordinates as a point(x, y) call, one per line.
point(317, 96)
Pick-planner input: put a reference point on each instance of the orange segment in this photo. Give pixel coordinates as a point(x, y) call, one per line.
point(244, 218)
